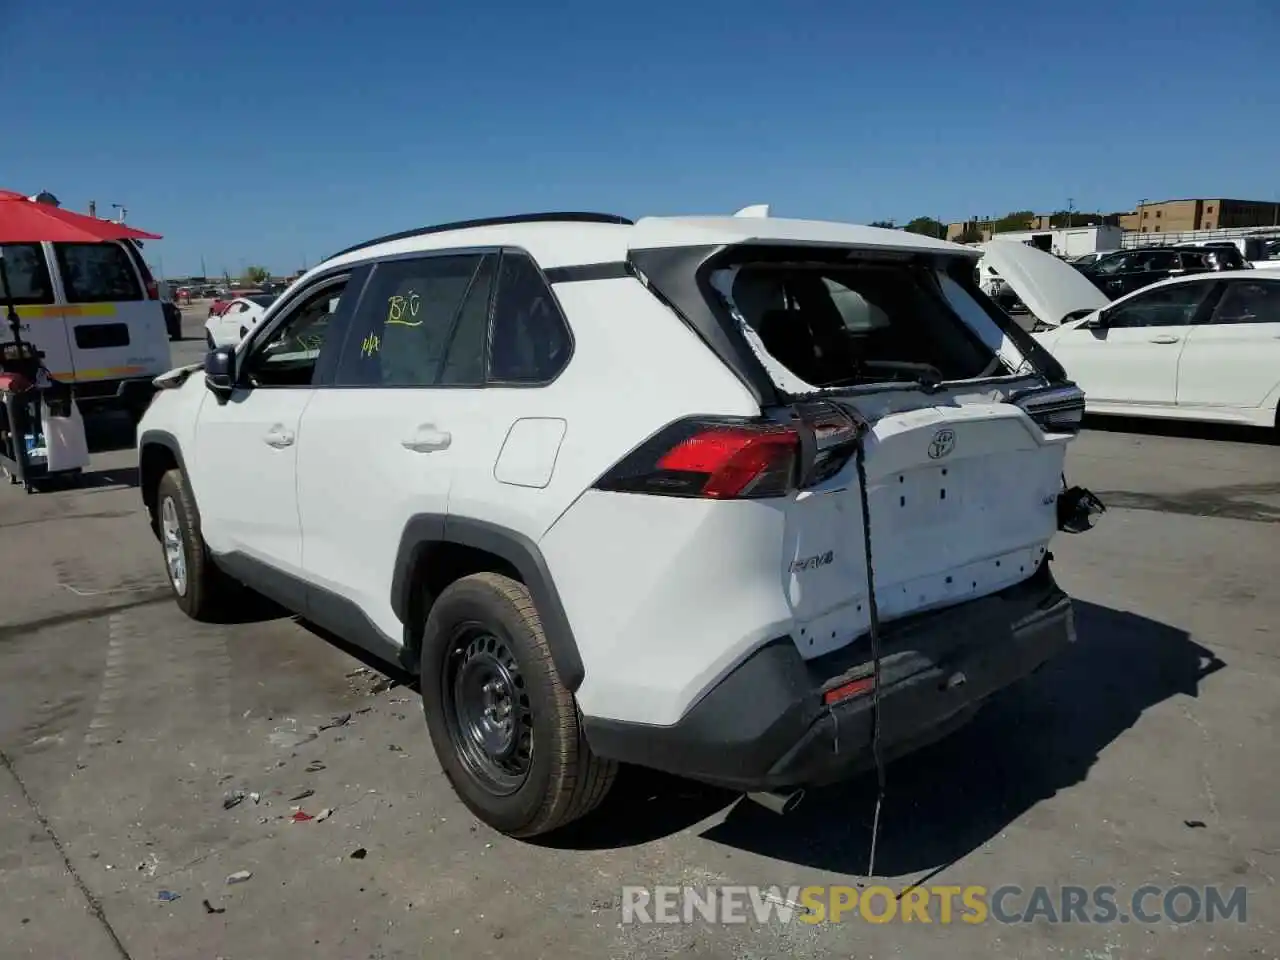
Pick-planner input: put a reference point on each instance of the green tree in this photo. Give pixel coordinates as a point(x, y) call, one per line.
point(1074, 218)
point(1017, 220)
point(970, 234)
point(927, 226)
point(886, 224)
point(256, 275)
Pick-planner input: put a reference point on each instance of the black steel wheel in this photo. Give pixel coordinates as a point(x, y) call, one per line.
point(487, 710)
point(505, 728)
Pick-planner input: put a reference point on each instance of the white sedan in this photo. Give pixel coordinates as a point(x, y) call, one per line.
point(1199, 347)
point(230, 326)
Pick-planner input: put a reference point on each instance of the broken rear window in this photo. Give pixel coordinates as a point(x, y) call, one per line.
point(852, 323)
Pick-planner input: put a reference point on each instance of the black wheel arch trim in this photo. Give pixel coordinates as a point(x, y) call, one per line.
point(428, 531)
point(159, 438)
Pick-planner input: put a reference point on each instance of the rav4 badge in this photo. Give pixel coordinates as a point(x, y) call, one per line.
point(814, 562)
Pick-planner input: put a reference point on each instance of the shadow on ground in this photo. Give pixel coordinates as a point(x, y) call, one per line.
point(946, 800)
point(106, 431)
point(111, 477)
point(1188, 429)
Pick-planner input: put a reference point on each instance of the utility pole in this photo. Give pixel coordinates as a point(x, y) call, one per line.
point(1070, 207)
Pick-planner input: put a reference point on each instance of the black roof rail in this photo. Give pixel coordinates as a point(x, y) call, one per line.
point(566, 217)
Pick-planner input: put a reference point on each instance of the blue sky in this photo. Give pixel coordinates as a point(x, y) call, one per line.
point(268, 133)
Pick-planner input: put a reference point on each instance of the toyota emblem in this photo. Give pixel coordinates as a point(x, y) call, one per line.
point(943, 442)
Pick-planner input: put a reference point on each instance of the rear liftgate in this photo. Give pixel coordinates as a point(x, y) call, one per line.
point(735, 459)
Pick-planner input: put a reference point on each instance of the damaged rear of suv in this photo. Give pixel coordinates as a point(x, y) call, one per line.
point(868, 558)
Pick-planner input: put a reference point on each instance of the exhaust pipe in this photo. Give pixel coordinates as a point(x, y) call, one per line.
point(780, 803)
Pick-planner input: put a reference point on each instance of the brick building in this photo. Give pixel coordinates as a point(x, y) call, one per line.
point(1174, 216)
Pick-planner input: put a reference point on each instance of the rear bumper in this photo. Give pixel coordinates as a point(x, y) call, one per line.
point(124, 393)
point(765, 725)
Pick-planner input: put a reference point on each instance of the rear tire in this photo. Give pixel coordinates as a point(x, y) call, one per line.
point(505, 728)
point(200, 589)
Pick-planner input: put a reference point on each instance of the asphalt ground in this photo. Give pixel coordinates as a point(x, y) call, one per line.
point(1145, 756)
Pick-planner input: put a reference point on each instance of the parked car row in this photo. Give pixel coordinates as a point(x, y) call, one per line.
point(1203, 344)
point(1125, 271)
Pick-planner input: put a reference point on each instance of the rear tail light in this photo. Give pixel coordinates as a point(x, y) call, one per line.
point(1054, 409)
point(707, 457)
point(153, 290)
point(727, 459)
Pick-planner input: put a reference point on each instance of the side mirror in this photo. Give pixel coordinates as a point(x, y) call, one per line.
point(1100, 321)
point(220, 370)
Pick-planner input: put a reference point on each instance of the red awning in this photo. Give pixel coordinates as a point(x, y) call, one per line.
point(25, 221)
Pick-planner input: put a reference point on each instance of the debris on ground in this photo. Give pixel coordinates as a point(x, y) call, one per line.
point(358, 672)
point(168, 896)
point(339, 721)
point(255, 797)
point(301, 816)
point(240, 876)
point(324, 815)
point(301, 796)
point(395, 748)
point(315, 766)
point(359, 853)
point(289, 739)
point(210, 908)
point(231, 798)
point(1194, 824)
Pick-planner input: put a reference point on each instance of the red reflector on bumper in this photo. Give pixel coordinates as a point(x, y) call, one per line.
point(846, 690)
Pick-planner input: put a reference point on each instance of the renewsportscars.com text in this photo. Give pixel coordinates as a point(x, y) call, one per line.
point(1008, 904)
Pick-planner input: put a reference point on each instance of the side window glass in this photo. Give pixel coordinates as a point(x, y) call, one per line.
point(1249, 302)
point(287, 356)
point(530, 342)
point(28, 273)
point(1112, 264)
point(859, 314)
point(422, 323)
point(97, 272)
point(1171, 306)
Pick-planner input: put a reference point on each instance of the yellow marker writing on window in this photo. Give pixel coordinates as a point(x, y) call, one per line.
point(404, 310)
point(370, 345)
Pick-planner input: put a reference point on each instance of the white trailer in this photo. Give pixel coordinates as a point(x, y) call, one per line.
point(1068, 242)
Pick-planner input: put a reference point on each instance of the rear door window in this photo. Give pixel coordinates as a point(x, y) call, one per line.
point(28, 273)
point(97, 273)
point(1249, 301)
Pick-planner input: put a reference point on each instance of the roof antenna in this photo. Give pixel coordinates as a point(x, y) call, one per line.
point(759, 210)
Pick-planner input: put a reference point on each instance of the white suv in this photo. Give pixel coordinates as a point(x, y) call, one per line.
point(597, 482)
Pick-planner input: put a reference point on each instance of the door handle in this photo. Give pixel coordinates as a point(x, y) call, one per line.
point(426, 439)
point(278, 437)
point(1165, 338)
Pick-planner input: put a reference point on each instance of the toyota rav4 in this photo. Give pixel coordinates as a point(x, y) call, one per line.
point(739, 498)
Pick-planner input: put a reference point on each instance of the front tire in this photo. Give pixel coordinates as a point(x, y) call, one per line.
point(505, 728)
point(200, 589)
